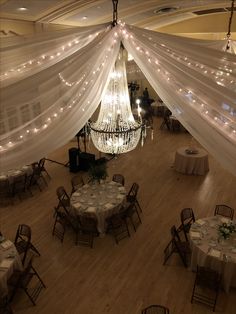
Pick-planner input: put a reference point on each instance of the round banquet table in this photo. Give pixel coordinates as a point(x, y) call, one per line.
point(100, 200)
point(211, 251)
point(9, 261)
point(196, 164)
point(11, 174)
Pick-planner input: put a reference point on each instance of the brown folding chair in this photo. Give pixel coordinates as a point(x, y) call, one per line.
point(41, 166)
point(187, 219)
point(27, 280)
point(76, 182)
point(23, 241)
point(119, 178)
point(155, 309)
point(132, 195)
point(224, 210)
point(87, 231)
point(117, 225)
point(177, 246)
point(63, 198)
point(206, 286)
point(130, 213)
point(60, 224)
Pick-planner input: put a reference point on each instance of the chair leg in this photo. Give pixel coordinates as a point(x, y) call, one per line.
point(31, 299)
point(33, 248)
point(24, 257)
point(138, 205)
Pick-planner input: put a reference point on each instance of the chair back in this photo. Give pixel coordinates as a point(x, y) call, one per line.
point(206, 286)
point(76, 182)
point(224, 210)
point(23, 233)
point(174, 234)
point(133, 191)
point(156, 309)
point(88, 224)
point(119, 178)
point(61, 193)
point(187, 215)
point(41, 163)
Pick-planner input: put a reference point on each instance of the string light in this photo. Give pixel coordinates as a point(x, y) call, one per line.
point(229, 125)
point(61, 110)
point(43, 59)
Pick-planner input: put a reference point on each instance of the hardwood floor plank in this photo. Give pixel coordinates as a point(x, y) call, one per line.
point(122, 278)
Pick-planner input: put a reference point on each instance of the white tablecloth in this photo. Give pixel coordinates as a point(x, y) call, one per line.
point(11, 174)
point(99, 200)
point(191, 163)
point(9, 261)
point(209, 251)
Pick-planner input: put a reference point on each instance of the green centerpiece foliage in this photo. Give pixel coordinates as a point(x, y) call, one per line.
point(226, 229)
point(98, 171)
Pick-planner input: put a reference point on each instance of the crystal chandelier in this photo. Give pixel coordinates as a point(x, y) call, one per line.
point(116, 130)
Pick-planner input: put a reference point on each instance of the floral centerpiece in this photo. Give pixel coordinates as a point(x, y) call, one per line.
point(225, 229)
point(98, 170)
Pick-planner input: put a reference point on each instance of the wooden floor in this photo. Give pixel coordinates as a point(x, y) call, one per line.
point(124, 278)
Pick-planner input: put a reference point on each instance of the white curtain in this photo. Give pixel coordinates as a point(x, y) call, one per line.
point(198, 85)
point(52, 83)
point(44, 105)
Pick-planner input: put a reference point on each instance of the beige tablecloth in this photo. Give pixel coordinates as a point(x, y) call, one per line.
point(9, 261)
point(100, 200)
point(209, 251)
point(191, 163)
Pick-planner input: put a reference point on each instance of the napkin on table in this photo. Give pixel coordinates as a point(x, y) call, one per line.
point(225, 220)
point(91, 210)
point(77, 205)
point(119, 196)
point(109, 205)
point(215, 253)
point(121, 188)
point(200, 222)
point(6, 244)
point(195, 235)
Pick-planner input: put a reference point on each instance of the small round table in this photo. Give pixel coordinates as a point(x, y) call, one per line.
point(211, 251)
point(99, 200)
point(191, 163)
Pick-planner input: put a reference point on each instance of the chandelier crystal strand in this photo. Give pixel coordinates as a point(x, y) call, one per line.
point(116, 130)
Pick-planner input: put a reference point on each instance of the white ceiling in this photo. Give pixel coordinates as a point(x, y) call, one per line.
point(88, 12)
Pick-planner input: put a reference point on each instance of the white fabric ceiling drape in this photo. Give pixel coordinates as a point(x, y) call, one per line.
point(198, 85)
point(51, 85)
point(44, 105)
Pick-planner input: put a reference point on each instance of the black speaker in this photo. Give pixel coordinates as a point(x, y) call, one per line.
point(74, 159)
point(85, 160)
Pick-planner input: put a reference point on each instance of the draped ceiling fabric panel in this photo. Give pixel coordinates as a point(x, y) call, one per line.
point(53, 82)
point(43, 107)
point(198, 85)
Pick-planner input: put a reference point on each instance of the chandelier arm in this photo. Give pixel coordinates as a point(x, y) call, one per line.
point(116, 132)
point(230, 22)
